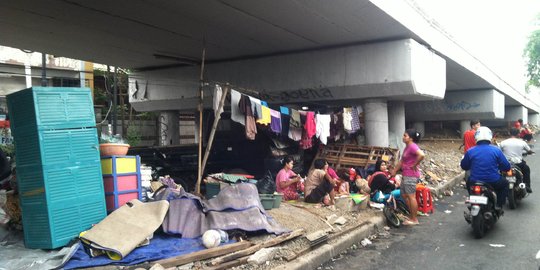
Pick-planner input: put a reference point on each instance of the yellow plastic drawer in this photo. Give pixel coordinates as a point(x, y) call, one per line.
point(124, 164)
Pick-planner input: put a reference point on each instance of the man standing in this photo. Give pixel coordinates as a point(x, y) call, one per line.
point(468, 136)
point(513, 148)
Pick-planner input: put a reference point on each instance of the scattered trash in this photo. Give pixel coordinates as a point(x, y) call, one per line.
point(376, 205)
point(340, 220)
point(447, 211)
point(365, 242)
point(497, 245)
point(437, 248)
point(461, 245)
point(386, 228)
point(211, 238)
point(448, 193)
point(331, 217)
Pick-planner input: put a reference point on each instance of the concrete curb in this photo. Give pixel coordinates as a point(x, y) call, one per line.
point(326, 252)
point(437, 191)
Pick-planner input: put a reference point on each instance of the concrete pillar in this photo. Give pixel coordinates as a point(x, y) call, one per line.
point(396, 123)
point(464, 125)
point(534, 119)
point(420, 127)
point(169, 133)
point(376, 117)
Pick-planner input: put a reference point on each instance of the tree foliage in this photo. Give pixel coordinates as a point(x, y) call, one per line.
point(532, 55)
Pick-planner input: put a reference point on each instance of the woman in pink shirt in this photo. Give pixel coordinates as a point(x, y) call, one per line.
point(287, 182)
point(411, 158)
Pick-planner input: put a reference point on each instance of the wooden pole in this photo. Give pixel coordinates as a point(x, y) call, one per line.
point(214, 127)
point(201, 108)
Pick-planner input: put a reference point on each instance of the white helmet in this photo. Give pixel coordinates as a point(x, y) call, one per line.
point(483, 134)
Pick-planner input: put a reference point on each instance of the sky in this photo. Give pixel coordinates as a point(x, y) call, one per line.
point(495, 31)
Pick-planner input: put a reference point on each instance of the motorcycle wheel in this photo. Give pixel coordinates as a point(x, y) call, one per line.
point(479, 225)
point(512, 203)
point(391, 217)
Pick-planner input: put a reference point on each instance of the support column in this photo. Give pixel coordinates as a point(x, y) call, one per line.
point(420, 127)
point(464, 125)
point(376, 117)
point(169, 133)
point(534, 119)
point(396, 123)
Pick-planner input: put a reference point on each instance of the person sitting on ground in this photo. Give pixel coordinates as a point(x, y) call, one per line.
point(342, 186)
point(380, 181)
point(319, 184)
point(360, 183)
point(287, 181)
point(513, 149)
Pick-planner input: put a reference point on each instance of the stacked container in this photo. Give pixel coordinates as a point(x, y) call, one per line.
point(58, 163)
point(122, 180)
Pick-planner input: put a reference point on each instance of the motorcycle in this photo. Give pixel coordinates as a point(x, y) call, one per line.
point(482, 214)
point(516, 186)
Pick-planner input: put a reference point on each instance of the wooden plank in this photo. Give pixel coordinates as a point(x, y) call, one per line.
point(255, 248)
point(203, 254)
point(230, 264)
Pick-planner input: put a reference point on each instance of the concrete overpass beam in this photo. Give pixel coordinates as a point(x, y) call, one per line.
point(458, 105)
point(513, 113)
point(402, 69)
point(534, 119)
point(376, 117)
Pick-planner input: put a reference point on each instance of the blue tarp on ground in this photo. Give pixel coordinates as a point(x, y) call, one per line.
point(161, 247)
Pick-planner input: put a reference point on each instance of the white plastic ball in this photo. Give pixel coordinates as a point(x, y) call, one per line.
point(211, 238)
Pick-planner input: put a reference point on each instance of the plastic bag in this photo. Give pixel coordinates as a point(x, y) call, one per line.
point(267, 184)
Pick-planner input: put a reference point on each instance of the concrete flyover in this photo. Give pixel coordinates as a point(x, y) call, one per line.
point(375, 53)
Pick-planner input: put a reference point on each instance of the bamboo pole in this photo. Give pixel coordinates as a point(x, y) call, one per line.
point(201, 108)
point(214, 127)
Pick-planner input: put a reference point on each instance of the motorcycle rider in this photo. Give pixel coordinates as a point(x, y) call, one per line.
point(513, 148)
point(485, 161)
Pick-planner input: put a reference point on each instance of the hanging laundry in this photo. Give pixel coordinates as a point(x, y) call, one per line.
point(236, 115)
point(256, 107)
point(275, 124)
point(284, 110)
point(310, 126)
point(336, 126)
point(295, 133)
point(347, 120)
point(244, 106)
point(355, 121)
point(295, 119)
point(285, 121)
point(218, 92)
point(265, 112)
point(323, 127)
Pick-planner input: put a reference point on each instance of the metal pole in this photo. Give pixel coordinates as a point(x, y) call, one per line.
point(201, 108)
point(43, 69)
point(115, 100)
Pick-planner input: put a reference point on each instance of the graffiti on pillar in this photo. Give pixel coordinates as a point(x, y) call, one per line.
point(461, 106)
point(442, 106)
point(300, 94)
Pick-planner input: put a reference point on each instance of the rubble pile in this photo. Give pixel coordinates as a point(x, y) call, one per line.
point(442, 160)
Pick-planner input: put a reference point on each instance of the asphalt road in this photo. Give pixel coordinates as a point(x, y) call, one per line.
point(444, 240)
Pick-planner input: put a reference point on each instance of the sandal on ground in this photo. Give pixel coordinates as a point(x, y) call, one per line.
point(410, 223)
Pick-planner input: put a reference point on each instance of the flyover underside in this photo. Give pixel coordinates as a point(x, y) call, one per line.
point(397, 70)
point(459, 105)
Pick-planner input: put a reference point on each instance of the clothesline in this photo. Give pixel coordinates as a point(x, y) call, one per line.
point(298, 125)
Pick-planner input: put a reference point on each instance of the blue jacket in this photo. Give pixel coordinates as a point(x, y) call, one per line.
point(485, 161)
